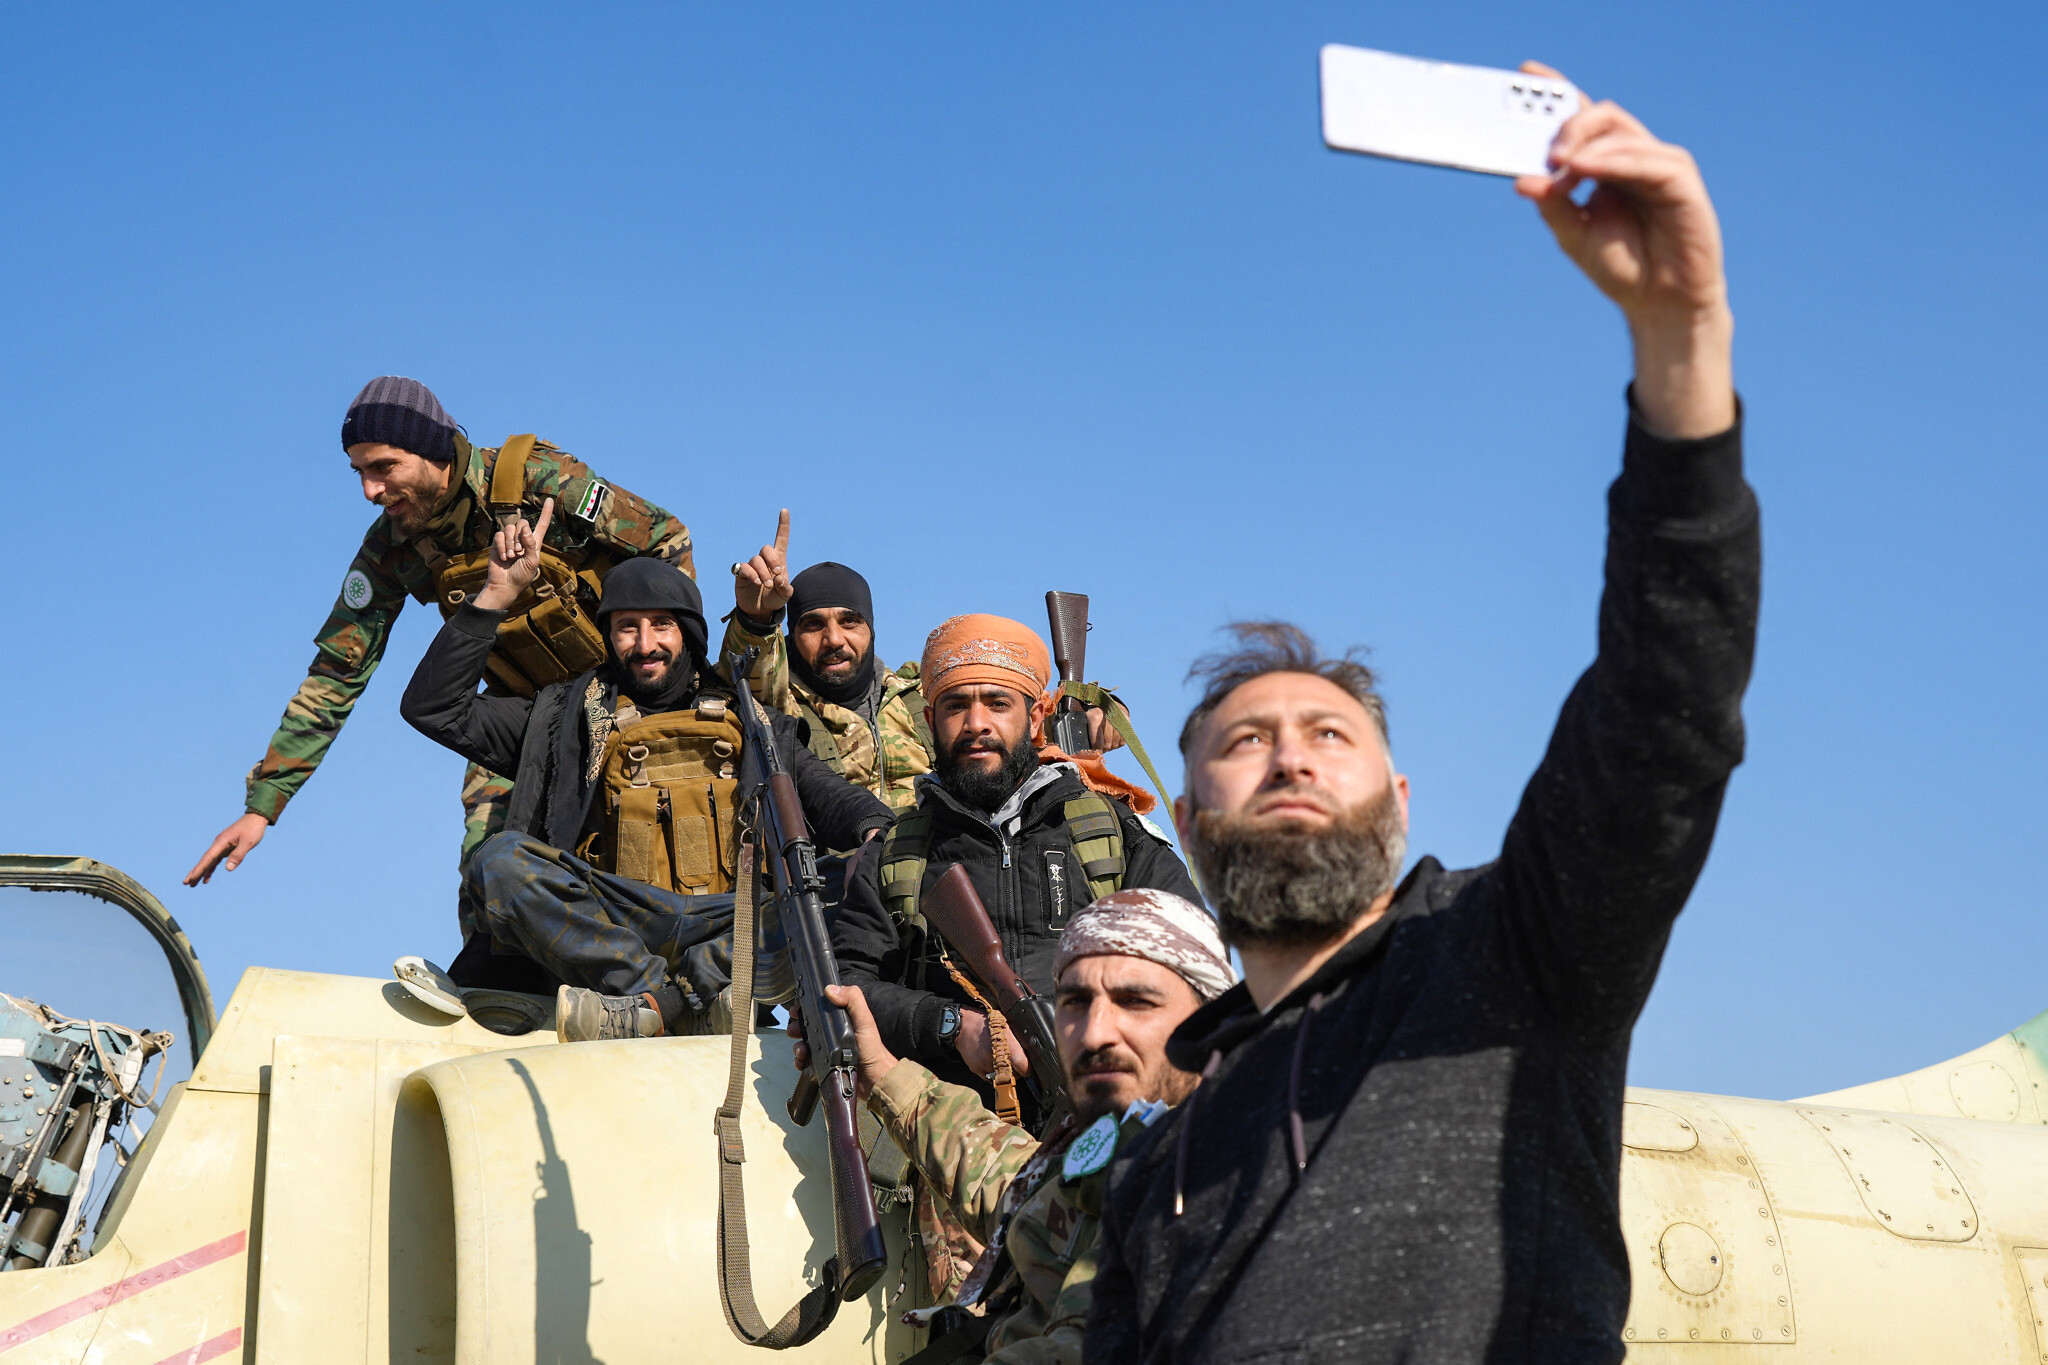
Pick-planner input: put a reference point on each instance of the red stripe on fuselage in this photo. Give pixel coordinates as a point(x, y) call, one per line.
point(126, 1288)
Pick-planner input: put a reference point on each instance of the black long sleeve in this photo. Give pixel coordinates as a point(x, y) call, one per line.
point(1457, 1068)
point(1616, 822)
point(442, 703)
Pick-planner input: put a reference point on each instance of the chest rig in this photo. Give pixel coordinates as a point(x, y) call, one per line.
point(667, 817)
point(548, 635)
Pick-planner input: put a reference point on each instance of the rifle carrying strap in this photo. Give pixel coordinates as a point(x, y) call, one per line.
point(1004, 1075)
point(813, 1313)
point(1094, 694)
point(508, 477)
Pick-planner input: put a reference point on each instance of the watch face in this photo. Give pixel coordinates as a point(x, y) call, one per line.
point(949, 1023)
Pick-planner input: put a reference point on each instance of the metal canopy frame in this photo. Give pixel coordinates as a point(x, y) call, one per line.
point(43, 872)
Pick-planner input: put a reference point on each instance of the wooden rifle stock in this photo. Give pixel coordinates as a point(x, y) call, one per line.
point(954, 908)
point(793, 867)
point(1067, 612)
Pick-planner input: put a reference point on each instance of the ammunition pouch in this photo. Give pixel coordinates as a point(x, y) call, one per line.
point(669, 818)
point(548, 635)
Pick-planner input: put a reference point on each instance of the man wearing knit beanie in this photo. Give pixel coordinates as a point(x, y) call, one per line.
point(434, 494)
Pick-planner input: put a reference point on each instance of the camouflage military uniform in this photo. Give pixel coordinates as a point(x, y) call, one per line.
point(996, 1175)
point(389, 568)
point(839, 735)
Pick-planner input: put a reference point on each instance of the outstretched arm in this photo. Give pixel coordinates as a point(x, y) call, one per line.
point(1617, 821)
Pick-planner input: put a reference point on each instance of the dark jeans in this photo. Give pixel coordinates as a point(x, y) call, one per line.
point(592, 928)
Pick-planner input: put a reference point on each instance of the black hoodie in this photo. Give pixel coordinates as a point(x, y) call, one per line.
point(1457, 1068)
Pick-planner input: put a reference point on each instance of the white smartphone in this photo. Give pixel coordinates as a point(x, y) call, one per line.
point(1473, 118)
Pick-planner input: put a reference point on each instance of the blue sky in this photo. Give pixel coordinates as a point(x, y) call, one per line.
point(1004, 298)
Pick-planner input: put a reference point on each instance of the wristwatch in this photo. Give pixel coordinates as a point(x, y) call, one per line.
point(949, 1023)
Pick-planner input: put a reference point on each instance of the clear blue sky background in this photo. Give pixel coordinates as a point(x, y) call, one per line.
point(1003, 298)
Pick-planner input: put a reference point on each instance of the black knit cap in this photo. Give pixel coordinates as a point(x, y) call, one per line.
point(654, 585)
point(395, 411)
point(823, 585)
point(827, 584)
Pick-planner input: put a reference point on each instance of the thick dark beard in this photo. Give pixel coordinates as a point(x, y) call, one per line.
point(665, 695)
point(1285, 885)
point(981, 790)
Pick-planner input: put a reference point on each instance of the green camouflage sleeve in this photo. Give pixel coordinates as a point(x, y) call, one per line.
point(769, 682)
point(346, 652)
point(967, 1153)
point(1060, 1344)
point(610, 515)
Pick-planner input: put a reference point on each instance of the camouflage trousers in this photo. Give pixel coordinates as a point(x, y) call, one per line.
point(595, 929)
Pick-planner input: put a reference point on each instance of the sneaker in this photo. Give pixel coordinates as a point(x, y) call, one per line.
point(583, 1016)
point(715, 1020)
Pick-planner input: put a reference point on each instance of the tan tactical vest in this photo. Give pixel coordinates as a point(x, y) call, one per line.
point(547, 637)
point(668, 817)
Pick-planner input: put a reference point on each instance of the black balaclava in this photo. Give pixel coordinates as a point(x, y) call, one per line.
point(832, 585)
point(653, 585)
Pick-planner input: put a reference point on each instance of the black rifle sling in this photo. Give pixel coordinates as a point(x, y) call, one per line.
point(812, 1313)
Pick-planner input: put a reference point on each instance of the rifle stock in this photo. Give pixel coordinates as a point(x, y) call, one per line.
point(793, 866)
point(954, 908)
point(1067, 613)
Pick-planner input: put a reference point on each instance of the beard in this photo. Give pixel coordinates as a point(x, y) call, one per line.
point(844, 688)
point(985, 789)
point(1109, 1080)
point(1283, 884)
point(662, 693)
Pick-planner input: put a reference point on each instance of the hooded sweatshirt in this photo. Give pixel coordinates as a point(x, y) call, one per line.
point(1416, 1155)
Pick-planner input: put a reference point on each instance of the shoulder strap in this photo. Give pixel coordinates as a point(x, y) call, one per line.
point(812, 1313)
point(914, 699)
point(508, 477)
point(1098, 837)
point(1093, 694)
point(905, 850)
point(818, 738)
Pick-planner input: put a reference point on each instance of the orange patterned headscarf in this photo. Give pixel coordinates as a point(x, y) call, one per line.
point(971, 650)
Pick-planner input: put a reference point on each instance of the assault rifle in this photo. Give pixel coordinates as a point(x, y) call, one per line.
point(793, 866)
point(1068, 613)
point(954, 909)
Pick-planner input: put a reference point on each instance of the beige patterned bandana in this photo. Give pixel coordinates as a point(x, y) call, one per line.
point(1157, 926)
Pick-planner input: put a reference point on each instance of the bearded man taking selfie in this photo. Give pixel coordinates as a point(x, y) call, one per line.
point(1407, 1144)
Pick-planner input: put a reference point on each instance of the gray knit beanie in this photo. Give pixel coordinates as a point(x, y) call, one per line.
point(395, 411)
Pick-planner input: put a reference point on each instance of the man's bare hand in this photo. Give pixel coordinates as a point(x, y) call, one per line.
point(233, 844)
point(760, 586)
point(1649, 239)
point(1101, 734)
point(978, 1052)
point(515, 560)
point(876, 1061)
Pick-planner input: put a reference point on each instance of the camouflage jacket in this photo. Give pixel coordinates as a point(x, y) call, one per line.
point(996, 1175)
point(389, 568)
point(839, 735)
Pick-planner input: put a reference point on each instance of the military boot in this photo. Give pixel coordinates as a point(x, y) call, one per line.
point(583, 1016)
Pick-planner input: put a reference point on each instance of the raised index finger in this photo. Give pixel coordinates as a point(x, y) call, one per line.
point(782, 530)
point(547, 514)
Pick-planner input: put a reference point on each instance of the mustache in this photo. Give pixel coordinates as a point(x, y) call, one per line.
point(844, 654)
point(979, 744)
point(1103, 1061)
point(650, 656)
